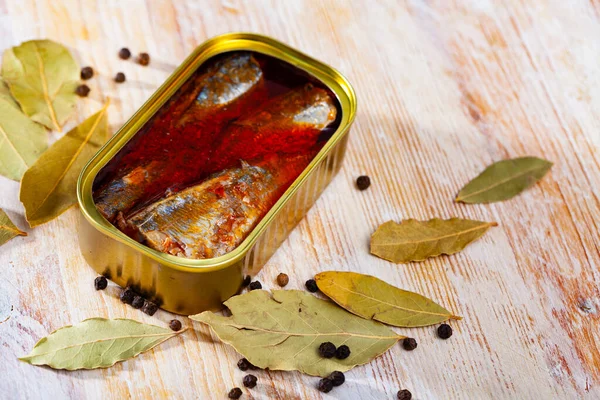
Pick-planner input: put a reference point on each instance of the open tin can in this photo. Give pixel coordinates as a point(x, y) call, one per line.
point(186, 285)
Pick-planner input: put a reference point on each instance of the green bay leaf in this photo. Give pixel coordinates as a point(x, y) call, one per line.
point(414, 240)
point(42, 76)
point(48, 187)
point(372, 298)
point(96, 343)
point(22, 141)
point(8, 230)
point(284, 331)
point(504, 180)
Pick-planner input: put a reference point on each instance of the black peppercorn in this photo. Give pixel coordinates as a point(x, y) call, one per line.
point(342, 352)
point(87, 73)
point(120, 77)
point(255, 285)
point(283, 279)
point(404, 394)
point(175, 325)
point(127, 296)
point(444, 331)
point(250, 381)
point(311, 285)
point(409, 344)
point(244, 364)
point(143, 59)
point(246, 281)
point(327, 349)
point(138, 302)
point(124, 53)
point(337, 378)
point(149, 308)
point(235, 393)
point(325, 385)
point(82, 90)
point(363, 182)
point(100, 283)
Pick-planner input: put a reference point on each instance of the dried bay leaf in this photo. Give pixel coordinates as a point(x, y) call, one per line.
point(283, 332)
point(22, 141)
point(504, 180)
point(8, 230)
point(48, 187)
point(42, 76)
point(414, 240)
point(6, 96)
point(96, 343)
point(372, 298)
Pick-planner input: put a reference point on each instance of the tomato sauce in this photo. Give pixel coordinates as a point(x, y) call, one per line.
point(184, 151)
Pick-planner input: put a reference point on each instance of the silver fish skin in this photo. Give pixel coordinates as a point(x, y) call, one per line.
point(210, 219)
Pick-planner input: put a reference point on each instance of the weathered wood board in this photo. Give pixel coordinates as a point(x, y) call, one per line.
point(445, 87)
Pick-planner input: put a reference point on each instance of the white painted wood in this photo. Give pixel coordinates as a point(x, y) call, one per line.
point(445, 88)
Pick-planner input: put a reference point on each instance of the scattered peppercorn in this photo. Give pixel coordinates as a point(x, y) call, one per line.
point(444, 331)
point(82, 90)
point(235, 393)
point(175, 325)
point(409, 344)
point(325, 385)
point(138, 302)
point(404, 394)
point(327, 349)
point(255, 285)
point(244, 365)
point(283, 279)
point(127, 296)
point(311, 286)
point(143, 59)
point(250, 381)
point(363, 182)
point(100, 283)
point(342, 352)
point(120, 77)
point(124, 53)
point(149, 308)
point(337, 378)
point(246, 281)
point(87, 73)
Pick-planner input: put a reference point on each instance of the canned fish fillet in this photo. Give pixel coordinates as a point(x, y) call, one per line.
point(231, 150)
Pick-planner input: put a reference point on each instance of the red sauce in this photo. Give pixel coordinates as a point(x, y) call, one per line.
point(186, 152)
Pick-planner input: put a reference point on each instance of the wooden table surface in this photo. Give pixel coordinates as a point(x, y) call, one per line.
point(445, 87)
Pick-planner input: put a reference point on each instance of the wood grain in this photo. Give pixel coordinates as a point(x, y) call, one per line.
point(445, 87)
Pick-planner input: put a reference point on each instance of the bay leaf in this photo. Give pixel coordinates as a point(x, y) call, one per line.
point(48, 187)
point(96, 343)
point(42, 76)
point(284, 331)
point(372, 298)
point(504, 180)
point(21, 140)
point(414, 240)
point(6, 96)
point(8, 230)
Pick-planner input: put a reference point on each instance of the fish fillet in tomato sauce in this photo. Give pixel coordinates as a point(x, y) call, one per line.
point(214, 217)
point(186, 192)
point(185, 128)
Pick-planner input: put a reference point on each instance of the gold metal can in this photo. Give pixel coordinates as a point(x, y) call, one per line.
point(189, 286)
